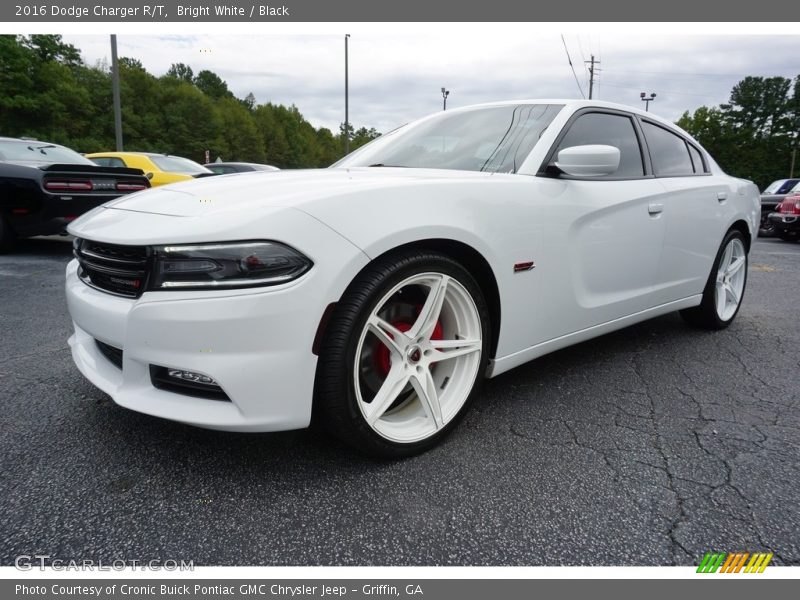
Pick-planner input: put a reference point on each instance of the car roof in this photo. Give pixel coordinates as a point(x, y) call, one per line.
point(125, 153)
point(235, 164)
point(574, 104)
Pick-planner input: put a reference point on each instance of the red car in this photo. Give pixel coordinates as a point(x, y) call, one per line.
point(787, 218)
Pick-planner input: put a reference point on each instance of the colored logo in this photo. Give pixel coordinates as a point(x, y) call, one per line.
point(735, 562)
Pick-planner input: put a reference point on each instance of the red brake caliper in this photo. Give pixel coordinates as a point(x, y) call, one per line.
point(382, 355)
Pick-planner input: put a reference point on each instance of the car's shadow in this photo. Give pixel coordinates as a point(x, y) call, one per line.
point(321, 454)
point(43, 247)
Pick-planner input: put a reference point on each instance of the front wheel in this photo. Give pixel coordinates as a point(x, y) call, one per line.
point(403, 354)
point(789, 236)
point(724, 289)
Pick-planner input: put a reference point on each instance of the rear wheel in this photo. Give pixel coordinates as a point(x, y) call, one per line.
point(725, 287)
point(403, 354)
point(7, 235)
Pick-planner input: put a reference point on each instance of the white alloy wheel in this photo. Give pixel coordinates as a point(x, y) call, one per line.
point(418, 357)
point(730, 282)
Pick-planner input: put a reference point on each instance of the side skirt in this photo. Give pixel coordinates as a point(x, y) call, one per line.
point(506, 363)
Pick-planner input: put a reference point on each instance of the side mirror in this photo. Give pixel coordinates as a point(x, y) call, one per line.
point(148, 175)
point(593, 160)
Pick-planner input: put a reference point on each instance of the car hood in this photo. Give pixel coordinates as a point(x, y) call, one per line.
point(247, 192)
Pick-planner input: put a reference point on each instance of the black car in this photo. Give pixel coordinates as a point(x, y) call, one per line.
point(44, 186)
point(223, 168)
point(771, 197)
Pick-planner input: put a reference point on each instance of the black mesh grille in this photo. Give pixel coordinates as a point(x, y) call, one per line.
point(120, 270)
point(114, 355)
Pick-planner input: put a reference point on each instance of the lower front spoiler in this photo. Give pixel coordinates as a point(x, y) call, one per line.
point(143, 397)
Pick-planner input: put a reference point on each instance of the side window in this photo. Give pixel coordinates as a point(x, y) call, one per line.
point(669, 152)
point(697, 160)
point(101, 161)
point(115, 162)
point(609, 130)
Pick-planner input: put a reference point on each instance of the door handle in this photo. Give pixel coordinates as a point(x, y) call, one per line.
point(655, 208)
point(722, 196)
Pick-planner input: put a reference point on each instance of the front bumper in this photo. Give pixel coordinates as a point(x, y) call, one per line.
point(785, 222)
point(255, 343)
point(257, 346)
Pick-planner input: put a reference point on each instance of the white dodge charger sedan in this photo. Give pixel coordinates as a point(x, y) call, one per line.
point(372, 297)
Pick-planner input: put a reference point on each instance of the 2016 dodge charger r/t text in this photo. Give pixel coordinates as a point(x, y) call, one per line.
point(375, 295)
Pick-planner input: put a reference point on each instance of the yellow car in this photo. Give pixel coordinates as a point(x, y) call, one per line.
point(158, 168)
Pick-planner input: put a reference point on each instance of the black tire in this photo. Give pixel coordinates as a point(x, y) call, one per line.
point(789, 236)
point(705, 316)
point(7, 236)
point(335, 402)
point(767, 228)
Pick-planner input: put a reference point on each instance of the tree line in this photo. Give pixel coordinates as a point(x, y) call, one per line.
point(47, 92)
point(755, 135)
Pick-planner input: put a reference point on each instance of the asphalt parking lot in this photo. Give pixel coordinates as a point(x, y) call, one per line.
point(649, 446)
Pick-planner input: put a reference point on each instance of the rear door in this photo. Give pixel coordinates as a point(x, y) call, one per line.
point(695, 209)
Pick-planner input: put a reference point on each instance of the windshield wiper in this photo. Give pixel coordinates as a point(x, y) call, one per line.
point(388, 166)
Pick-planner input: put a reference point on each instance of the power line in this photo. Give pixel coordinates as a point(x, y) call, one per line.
point(571, 66)
point(580, 47)
point(687, 73)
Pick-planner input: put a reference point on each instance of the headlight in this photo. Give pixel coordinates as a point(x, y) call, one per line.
point(225, 265)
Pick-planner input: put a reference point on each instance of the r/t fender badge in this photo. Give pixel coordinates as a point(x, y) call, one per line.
point(524, 266)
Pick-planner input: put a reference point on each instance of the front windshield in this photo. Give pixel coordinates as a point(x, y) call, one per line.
point(494, 139)
point(25, 151)
point(177, 164)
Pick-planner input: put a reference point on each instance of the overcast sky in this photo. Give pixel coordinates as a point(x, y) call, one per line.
point(397, 77)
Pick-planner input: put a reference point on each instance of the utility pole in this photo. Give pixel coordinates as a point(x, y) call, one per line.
point(794, 157)
point(592, 63)
point(647, 100)
point(445, 94)
point(346, 97)
point(115, 90)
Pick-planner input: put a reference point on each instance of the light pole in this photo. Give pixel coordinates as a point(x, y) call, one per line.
point(647, 100)
point(346, 97)
point(115, 92)
point(445, 94)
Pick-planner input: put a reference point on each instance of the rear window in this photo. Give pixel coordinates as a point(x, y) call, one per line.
point(221, 170)
point(40, 152)
point(108, 161)
point(177, 164)
point(782, 186)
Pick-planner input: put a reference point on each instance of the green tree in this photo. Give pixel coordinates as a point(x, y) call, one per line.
point(46, 91)
point(755, 133)
point(210, 84)
point(181, 71)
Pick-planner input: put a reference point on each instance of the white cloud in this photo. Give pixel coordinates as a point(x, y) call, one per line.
point(397, 77)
